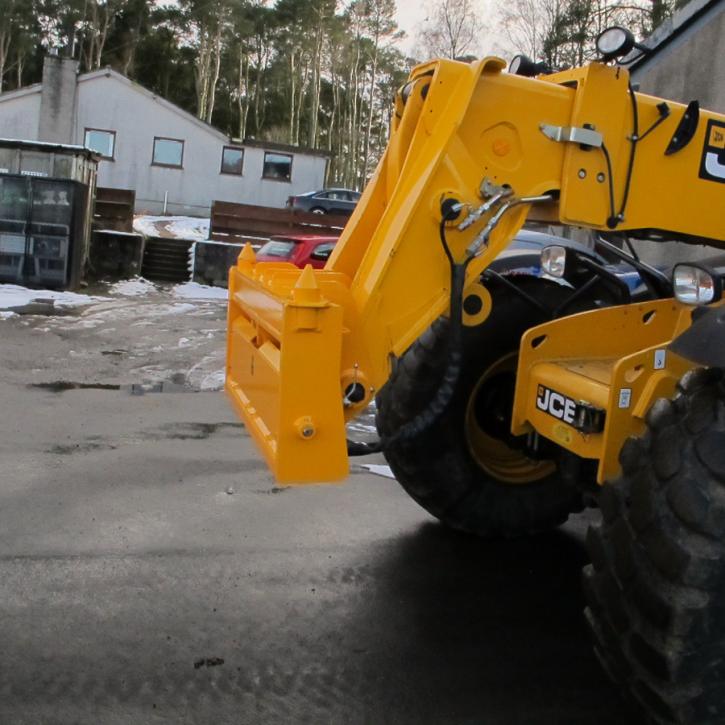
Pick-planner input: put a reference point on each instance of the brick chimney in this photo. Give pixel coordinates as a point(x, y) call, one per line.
point(58, 99)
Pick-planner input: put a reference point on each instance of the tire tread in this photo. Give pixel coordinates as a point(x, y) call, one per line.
point(664, 551)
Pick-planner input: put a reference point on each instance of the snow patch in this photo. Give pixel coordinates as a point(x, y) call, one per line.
point(176, 227)
point(196, 291)
point(13, 296)
point(189, 228)
point(135, 287)
point(213, 381)
point(208, 373)
point(175, 309)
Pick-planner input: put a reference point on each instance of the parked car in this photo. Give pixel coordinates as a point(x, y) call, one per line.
point(522, 256)
point(325, 201)
point(298, 249)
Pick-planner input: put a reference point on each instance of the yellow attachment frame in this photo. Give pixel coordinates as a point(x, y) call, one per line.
point(287, 395)
point(298, 340)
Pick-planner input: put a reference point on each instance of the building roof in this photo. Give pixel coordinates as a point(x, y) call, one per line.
point(48, 146)
point(674, 30)
point(20, 92)
point(109, 72)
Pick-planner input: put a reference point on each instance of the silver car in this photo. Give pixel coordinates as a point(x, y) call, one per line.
point(325, 201)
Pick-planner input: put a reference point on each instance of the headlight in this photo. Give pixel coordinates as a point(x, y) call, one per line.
point(553, 260)
point(615, 42)
point(522, 65)
point(695, 285)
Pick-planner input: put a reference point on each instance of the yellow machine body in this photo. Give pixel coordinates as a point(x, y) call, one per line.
point(300, 341)
point(614, 359)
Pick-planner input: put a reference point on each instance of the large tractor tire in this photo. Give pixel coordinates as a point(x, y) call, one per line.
point(466, 469)
point(656, 585)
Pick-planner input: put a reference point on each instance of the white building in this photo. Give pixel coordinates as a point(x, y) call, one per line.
point(169, 157)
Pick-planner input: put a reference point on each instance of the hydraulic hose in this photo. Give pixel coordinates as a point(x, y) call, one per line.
point(452, 372)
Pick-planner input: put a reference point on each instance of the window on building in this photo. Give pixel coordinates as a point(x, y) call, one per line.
point(102, 142)
point(232, 160)
point(168, 152)
point(277, 166)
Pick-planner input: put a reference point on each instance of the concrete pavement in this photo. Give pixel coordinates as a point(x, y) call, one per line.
point(151, 572)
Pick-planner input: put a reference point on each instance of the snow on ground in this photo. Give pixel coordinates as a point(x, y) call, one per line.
point(208, 373)
point(14, 296)
point(189, 228)
point(196, 291)
point(132, 287)
point(139, 331)
point(138, 287)
point(174, 227)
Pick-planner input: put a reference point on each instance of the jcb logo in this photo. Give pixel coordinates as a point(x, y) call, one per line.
point(712, 166)
point(555, 404)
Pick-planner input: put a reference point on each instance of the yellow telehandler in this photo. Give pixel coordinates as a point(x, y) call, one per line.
point(505, 401)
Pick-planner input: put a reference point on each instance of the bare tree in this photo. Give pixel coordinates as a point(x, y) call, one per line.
point(562, 32)
point(524, 23)
point(452, 28)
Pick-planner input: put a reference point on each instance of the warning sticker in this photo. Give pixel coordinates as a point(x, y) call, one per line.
point(712, 166)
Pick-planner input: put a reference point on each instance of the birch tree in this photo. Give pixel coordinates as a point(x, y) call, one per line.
point(98, 19)
point(132, 22)
point(207, 24)
point(381, 27)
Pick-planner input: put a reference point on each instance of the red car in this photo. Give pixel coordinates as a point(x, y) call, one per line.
point(298, 249)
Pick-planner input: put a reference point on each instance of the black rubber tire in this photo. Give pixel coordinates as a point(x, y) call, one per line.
point(656, 585)
point(318, 210)
point(437, 469)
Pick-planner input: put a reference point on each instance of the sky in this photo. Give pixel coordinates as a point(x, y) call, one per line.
point(409, 15)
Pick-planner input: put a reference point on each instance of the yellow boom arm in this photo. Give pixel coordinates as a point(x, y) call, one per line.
point(309, 349)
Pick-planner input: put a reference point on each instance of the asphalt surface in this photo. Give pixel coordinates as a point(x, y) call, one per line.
point(151, 572)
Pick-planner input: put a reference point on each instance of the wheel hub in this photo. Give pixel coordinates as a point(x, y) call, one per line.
point(488, 428)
